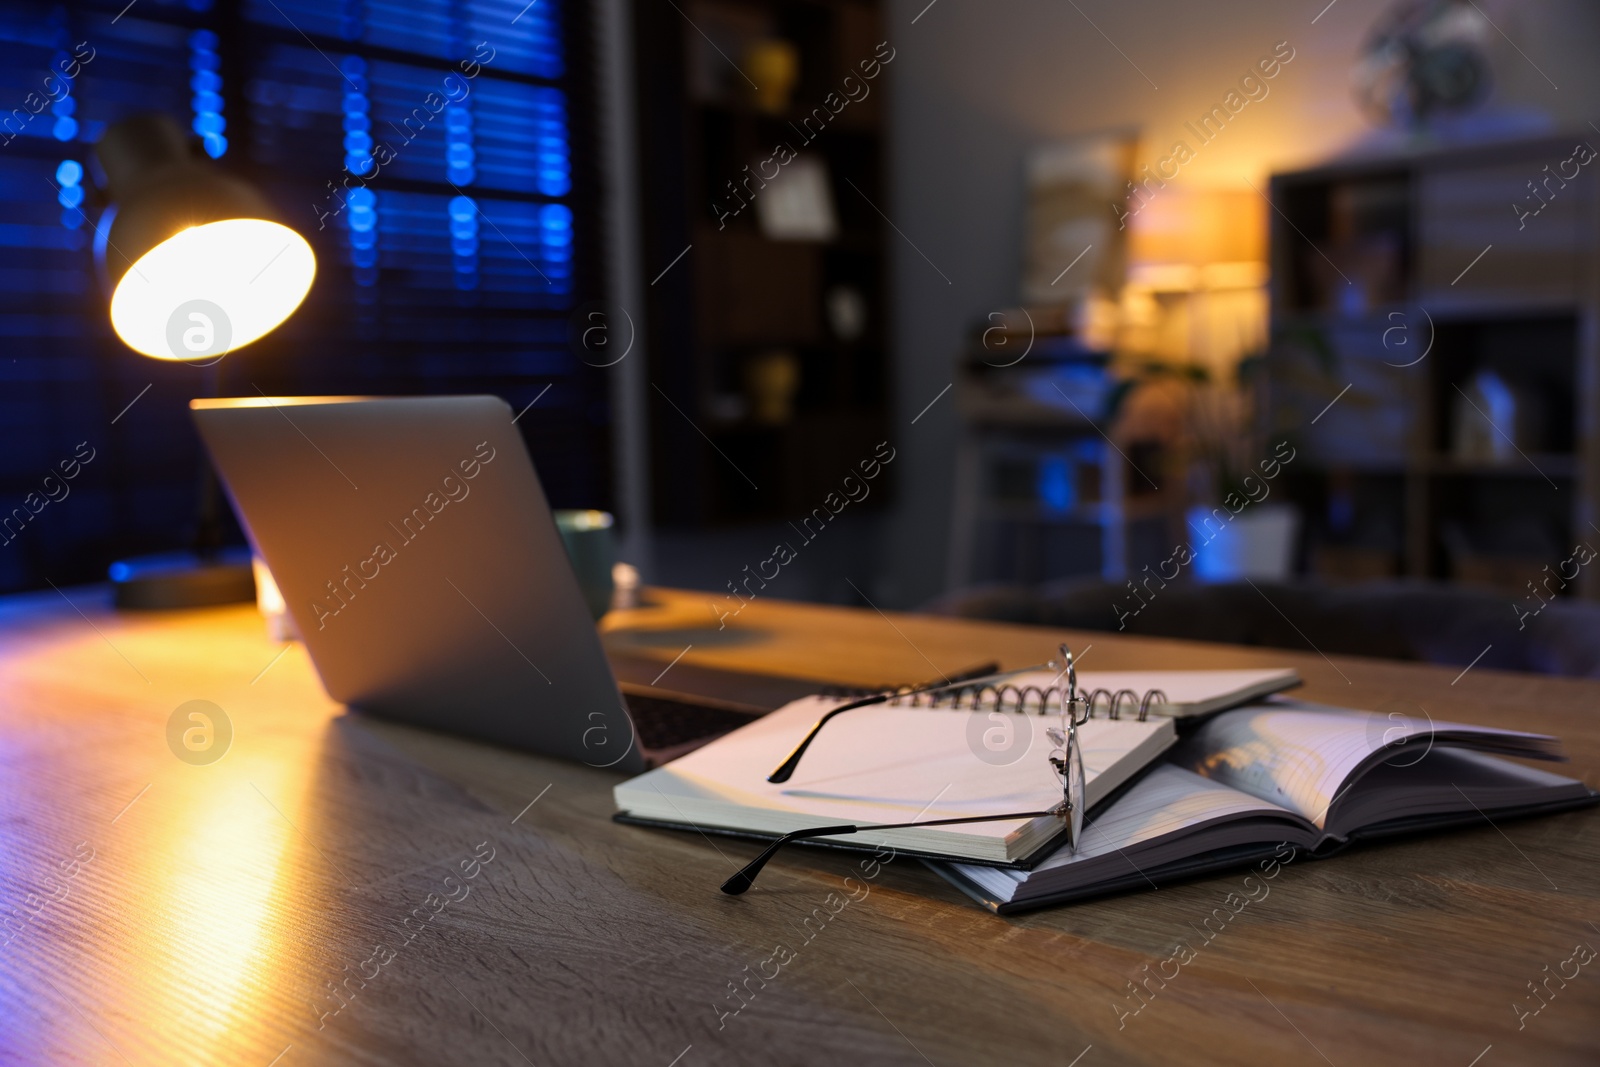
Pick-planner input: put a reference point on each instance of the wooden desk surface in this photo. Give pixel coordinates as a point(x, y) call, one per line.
point(202, 914)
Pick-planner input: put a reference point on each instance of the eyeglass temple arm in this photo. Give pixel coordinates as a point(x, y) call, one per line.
point(786, 769)
point(746, 876)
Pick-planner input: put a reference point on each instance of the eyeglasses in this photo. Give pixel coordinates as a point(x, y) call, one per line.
point(1066, 758)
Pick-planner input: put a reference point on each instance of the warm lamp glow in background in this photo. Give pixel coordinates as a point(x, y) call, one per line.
point(1197, 277)
point(1201, 225)
point(256, 271)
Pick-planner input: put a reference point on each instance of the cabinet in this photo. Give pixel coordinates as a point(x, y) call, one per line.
point(1452, 424)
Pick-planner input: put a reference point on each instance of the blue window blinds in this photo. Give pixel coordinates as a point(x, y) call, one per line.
point(388, 124)
point(526, 37)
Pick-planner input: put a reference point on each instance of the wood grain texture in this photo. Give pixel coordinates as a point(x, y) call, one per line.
point(220, 901)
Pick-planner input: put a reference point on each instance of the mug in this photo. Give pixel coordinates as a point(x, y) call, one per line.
point(593, 551)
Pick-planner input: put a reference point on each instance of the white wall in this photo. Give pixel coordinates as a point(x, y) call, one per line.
point(979, 81)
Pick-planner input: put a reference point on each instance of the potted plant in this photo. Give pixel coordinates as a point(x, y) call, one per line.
point(1239, 524)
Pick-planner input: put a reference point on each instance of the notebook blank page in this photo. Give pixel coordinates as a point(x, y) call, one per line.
point(887, 764)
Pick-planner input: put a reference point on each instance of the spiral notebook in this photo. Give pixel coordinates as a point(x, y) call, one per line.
point(901, 762)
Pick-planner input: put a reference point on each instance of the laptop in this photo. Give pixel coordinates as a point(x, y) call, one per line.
point(419, 560)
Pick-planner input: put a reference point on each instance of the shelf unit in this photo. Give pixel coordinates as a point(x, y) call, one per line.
point(737, 295)
point(1432, 293)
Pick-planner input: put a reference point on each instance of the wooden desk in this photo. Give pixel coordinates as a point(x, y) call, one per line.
point(220, 901)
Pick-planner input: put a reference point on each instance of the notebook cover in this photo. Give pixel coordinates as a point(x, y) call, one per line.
point(838, 845)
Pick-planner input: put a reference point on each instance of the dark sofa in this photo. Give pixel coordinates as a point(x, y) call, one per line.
point(1407, 620)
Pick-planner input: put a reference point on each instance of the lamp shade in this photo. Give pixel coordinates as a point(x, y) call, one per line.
point(196, 261)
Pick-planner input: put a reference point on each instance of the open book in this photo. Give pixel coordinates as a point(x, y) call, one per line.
point(1248, 781)
point(895, 763)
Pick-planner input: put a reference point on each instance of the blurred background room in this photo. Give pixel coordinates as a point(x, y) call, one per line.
point(1268, 323)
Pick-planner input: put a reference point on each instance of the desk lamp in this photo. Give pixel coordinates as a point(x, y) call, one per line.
point(197, 266)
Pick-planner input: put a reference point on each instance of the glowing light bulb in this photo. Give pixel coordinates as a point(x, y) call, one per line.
point(210, 289)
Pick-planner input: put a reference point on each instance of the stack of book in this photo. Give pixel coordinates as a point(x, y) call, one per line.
point(1220, 773)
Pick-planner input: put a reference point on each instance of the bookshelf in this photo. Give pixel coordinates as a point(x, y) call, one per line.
point(1462, 361)
point(771, 350)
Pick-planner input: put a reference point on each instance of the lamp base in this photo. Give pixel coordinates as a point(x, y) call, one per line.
point(175, 580)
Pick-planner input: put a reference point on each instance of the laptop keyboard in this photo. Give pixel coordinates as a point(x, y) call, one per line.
point(664, 723)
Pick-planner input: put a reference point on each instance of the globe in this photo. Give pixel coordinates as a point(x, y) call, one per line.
point(1423, 59)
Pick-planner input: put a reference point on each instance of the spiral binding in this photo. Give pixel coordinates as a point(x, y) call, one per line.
point(850, 692)
point(1023, 699)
